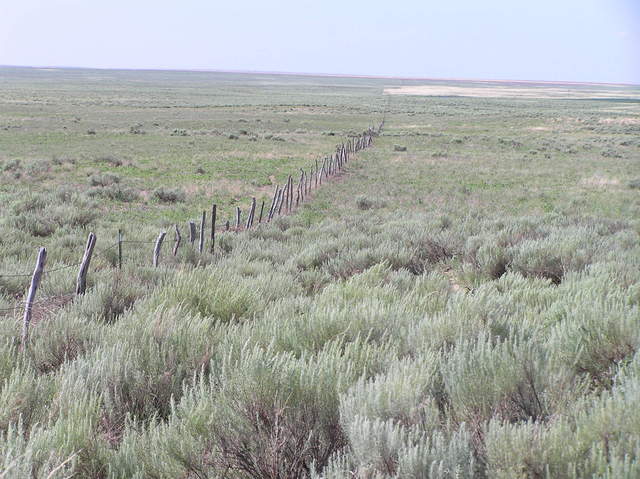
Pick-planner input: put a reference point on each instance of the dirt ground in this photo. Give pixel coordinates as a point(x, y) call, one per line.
point(497, 90)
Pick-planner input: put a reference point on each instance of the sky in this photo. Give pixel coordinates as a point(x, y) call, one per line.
point(554, 40)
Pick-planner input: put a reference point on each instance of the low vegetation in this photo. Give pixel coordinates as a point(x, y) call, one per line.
point(461, 309)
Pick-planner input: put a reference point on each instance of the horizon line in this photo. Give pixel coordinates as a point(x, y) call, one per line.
point(316, 74)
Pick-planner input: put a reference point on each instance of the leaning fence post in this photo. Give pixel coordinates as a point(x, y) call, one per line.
point(119, 249)
point(177, 243)
point(273, 203)
point(203, 229)
point(81, 281)
point(252, 213)
point(213, 226)
point(156, 249)
point(281, 201)
point(35, 281)
point(261, 211)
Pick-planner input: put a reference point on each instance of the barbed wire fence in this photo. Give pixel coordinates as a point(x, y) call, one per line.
point(285, 200)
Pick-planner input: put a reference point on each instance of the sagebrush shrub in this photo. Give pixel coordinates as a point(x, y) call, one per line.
point(169, 195)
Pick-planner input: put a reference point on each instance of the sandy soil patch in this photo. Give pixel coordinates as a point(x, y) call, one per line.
point(621, 121)
point(499, 91)
point(599, 181)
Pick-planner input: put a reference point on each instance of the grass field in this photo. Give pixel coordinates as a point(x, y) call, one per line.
point(468, 307)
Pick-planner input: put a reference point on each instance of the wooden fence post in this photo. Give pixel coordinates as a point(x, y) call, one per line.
point(178, 241)
point(35, 281)
point(203, 229)
point(281, 201)
point(226, 226)
point(273, 203)
point(291, 196)
point(81, 281)
point(237, 218)
point(300, 185)
point(285, 192)
point(214, 213)
point(192, 232)
point(277, 203)
point(261, 211)
point(316, 175)
point(252, 212)
point(119, 249)
point(156, 249)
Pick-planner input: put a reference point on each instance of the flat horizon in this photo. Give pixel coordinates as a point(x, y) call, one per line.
point(324, 74)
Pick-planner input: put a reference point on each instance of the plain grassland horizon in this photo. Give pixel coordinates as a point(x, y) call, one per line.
point(575, 40)
point(567, 82)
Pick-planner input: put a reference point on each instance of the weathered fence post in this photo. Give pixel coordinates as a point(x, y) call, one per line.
point(156, 249)
point(301, 182)
point(290, 193)
point(237, 218)
point(226, 226)
point(273, 203)
point(35, 281)
point(178, 240)
point(281, 200)
point(214, 213)
point(192, 232)
point(285, 192)
point(261, 211)
point(252, 212)
point(315, 176)
point(81, 281)
point(119, 249)
point(203, 229)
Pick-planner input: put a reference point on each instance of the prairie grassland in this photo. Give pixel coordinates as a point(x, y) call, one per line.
point(468, 307)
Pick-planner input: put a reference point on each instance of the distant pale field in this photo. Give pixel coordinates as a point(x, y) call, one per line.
point(493, 90)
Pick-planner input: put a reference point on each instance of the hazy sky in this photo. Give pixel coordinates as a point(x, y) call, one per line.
point(583, 40)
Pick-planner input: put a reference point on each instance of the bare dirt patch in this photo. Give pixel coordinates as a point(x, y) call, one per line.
point(621, 121)
point(599, 181)
point(494, 90)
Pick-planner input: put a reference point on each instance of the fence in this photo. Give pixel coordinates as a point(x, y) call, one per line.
point(284, 201)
